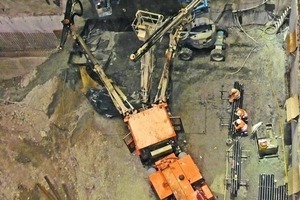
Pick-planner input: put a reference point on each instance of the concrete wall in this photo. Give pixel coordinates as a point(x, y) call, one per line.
point(29, 26)
point(31, 33)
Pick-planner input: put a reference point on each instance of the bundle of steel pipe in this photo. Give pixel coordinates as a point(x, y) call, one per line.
point(281, 193)
point(266, 189)
point(236, 169)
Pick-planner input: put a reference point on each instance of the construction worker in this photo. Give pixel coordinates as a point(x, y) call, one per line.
point(262, 144)
point(242, 114)
point(240, 127)
point(234, 94)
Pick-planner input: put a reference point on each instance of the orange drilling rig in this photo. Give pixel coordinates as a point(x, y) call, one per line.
point(153, 131)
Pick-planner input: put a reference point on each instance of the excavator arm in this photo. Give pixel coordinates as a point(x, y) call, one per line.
point(118, 97)
point(73, 8)
point(164, 80)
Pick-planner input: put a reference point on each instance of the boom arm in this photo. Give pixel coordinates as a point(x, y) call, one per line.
point(144, 25)
point(182, 18)
point(68, 20)
point(117, 96)
point(164, 80)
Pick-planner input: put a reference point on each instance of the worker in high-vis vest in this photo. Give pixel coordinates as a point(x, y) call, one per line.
point(241, 127)
point(242, 114)
point(234, 94)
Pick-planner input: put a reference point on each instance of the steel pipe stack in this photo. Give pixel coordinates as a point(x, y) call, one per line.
point(266, 187)
point(236, 169)
point(281, 193)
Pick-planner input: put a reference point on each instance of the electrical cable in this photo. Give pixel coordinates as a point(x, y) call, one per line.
point(235, 17)
point(277, 23)
point(221, 14)
point(244, 61)
point(247, 56)
point(241, 28)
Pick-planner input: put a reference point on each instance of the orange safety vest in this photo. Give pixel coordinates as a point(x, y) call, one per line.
point(241, 126)
point(241, 113)
point(234, 94)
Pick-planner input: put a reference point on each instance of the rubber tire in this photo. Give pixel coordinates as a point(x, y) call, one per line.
point(217, 55)
point(185, 54)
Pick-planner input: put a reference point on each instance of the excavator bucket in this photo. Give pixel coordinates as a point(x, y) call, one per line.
point(87, 81)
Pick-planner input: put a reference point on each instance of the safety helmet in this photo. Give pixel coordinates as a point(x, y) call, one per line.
point(238, 121)
point(233, 90)
point(239, 112)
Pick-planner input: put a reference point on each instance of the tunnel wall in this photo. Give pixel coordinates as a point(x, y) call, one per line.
point(29, 34)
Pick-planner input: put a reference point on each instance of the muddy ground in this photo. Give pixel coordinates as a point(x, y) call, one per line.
point(49, 129)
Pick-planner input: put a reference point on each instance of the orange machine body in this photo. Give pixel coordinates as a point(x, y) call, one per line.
point(150, 127)
point(152, 130)
point(179, 177)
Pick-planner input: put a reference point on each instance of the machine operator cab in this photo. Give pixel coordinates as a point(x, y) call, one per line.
point(153, 134)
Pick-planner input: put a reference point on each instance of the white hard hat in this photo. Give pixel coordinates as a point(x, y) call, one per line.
point(238, 121)
point(233, 90)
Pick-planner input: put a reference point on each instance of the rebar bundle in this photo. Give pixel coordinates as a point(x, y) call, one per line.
point(267, 188)
point(236, 169)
